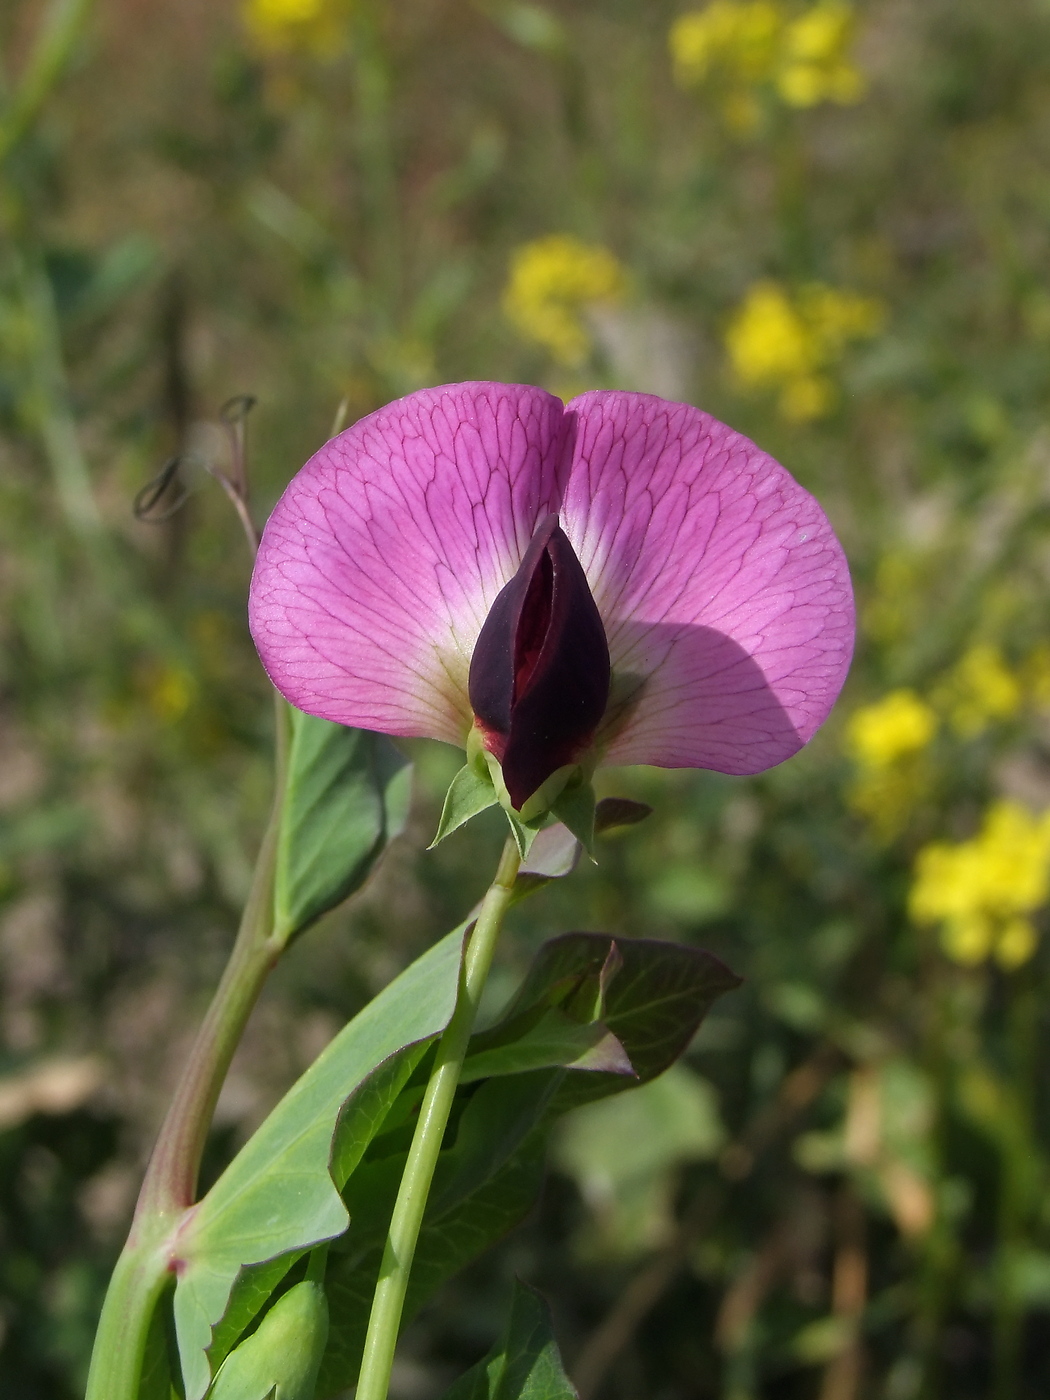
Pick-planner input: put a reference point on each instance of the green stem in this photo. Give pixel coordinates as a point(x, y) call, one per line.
point(169, 1188)
point(120, 1342)
point(389, 1299)
point(50, 56)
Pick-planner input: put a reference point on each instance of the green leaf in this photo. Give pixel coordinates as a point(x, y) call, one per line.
point(250, 1294)
point(626, 1151)
point(278, 1194)
point(346, 797)
point(524, 1364)
point(651, 995)
point(653, 1004)
point(484, 1185)
point(470, 792)
point(555, 1039)
point(282, 1356)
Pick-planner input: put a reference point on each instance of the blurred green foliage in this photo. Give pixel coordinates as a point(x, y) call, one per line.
point(826, 226)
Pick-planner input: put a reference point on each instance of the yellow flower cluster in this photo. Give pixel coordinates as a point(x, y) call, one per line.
point(747, 44)
point(983, 891)
point(552, 281)
point(979, 690)
point(776, 341)
point(283, 25)
point(886, 740)
point(899, 724)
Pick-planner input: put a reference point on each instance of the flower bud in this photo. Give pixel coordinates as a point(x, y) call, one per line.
point(539, 675)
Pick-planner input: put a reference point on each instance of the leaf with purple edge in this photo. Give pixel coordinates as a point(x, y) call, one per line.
point(555, 1039)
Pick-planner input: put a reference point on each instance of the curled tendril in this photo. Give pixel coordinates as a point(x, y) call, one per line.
point(233, 416)
point(234, 411)
point(144, 506)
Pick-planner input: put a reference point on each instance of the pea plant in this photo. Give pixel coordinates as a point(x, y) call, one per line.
point(619, 580)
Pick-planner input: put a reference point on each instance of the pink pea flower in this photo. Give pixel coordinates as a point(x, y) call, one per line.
point(617, 580)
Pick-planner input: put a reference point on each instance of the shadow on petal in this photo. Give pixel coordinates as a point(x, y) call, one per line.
point(690, 697)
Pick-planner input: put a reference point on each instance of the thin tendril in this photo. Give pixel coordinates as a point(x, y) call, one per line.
point(144, 506)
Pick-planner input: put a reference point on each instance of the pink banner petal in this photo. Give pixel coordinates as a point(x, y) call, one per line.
point(724, 591)
point(381, 560)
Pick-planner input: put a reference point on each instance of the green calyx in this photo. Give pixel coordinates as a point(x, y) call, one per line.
point(566, 795)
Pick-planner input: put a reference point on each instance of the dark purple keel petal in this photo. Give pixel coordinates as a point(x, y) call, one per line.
point(539, 676)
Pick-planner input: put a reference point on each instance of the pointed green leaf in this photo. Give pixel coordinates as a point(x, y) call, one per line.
point(278, 1194)
point(653, 1002)
point(524, 1364)
point(470, 792)
point(346, 797)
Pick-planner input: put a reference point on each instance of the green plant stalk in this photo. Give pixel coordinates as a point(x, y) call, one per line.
point(1019, 1188)
point(50, 56)
point(169, 1187)
point(388, 1302)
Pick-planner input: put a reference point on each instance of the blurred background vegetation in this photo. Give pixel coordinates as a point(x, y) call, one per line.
point(828, 225)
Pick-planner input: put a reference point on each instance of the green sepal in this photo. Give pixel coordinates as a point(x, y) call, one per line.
point(524, 833)
point(470, 792)
point(575, 807)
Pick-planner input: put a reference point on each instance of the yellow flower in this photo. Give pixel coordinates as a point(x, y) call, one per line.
point(815, 64)
point(767, 339)
point(776, 341)
point(740, 38)
point(748, 43)
point(552, 281)
point(885, 740)
point(837, 317)
point(1017, 942)
point(982, 891)
point(980, 690)
point(898, 724)
point(290, 24)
